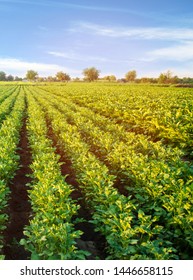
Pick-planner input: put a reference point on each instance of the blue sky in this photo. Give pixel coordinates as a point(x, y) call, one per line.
point(48, 36)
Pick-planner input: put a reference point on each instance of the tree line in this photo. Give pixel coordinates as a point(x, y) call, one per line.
point(92, 74)
point(5, 77)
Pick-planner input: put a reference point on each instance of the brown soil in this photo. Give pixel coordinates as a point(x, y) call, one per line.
point(19, 208)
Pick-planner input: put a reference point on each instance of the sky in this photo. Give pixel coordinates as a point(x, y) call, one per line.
point(49, 36)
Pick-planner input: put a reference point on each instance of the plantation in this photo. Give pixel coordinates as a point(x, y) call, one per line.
point(96, 171)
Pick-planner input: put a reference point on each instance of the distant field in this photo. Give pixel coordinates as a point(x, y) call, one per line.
point(96, 171)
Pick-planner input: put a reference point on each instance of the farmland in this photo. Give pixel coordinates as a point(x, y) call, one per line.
point(96, 171)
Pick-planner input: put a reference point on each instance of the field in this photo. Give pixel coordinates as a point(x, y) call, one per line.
point(96, 171)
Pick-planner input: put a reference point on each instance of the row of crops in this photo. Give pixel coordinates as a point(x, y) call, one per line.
point(131, 151)
point(11, 111)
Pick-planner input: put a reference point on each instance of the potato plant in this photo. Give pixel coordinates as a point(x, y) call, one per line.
point(135, 140)
point(51, 234)
point(9, 160)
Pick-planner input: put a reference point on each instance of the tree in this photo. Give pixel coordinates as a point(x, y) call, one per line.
point(187, 80)
point(175, 80)
point(122, 80)
point(77, 79)
point(91, 74)
point(41, 79)
point(148, 80)
point(110, 78)
point(162, 79)
point(10, 78)
point(51, 79)
point(2, 76)
point(17, 79)
point(31, 75)
point(167, 78)
point(131, 76)
point(61, 76)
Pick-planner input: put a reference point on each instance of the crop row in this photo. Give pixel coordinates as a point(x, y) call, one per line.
point(161, 113)
point(129, 232)
point(7, 103)
point(164, 181)
point(9, 138)
point(5, 93)
point(109, 133)
point(51, 233)
point(108, 151)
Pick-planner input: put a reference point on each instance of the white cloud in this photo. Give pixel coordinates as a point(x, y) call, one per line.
point(68, 55)
point(85, 58)
point(79, 6)
point(148, 33)
point(179, 53)
point(75, 56)
point(18, 67)
point(58, 54)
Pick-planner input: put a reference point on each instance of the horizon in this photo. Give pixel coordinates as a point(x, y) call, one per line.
point(50, 36)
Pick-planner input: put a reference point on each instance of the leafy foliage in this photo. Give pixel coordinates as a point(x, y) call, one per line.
point(51, 233)
point(131, 150)
point(9, 138)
